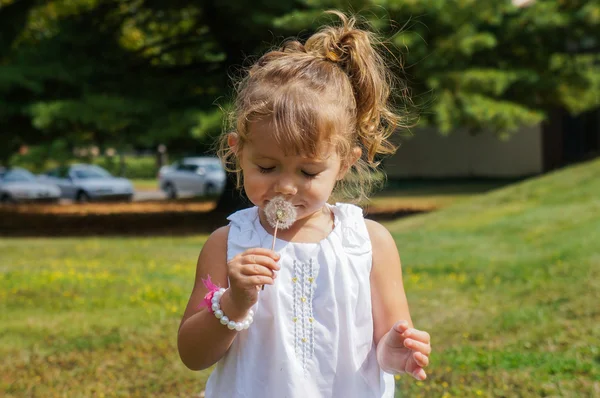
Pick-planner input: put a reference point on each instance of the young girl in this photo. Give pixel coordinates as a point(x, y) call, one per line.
point(333, 320)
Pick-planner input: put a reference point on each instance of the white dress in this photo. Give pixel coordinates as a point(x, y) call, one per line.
point(312, 334)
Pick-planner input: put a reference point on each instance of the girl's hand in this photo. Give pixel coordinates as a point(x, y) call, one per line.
point(405, 350)
point(247, 272)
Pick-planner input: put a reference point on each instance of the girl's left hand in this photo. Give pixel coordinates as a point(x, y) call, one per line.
point(405, 350)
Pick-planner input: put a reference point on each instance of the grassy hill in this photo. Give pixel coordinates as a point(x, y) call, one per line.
point(507, 283)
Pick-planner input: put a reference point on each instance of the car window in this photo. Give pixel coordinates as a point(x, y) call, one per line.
point(212, 167)
point(18, 176)
point(90, 172)
point(191, 168)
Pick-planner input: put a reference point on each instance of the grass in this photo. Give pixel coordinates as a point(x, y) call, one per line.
point(507, 283)
point(145, 184)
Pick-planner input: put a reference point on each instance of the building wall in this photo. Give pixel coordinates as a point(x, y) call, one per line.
point(429, 154)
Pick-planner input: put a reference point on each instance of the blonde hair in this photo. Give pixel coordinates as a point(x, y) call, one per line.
point(335, 88)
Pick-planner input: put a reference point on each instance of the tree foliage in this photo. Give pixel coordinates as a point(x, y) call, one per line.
point(143, 72)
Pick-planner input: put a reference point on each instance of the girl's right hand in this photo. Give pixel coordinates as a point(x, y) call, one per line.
point(247, 272)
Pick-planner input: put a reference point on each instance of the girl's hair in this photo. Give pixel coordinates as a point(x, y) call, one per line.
point(335, 89)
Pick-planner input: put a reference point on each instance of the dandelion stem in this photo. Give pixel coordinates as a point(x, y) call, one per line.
point(275, 235)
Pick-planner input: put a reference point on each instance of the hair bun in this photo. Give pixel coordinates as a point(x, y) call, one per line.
point(332, 56)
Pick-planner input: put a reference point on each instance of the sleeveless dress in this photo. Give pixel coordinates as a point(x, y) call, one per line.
point(312, 334)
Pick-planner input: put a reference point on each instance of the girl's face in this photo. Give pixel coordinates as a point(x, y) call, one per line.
point(306, 182)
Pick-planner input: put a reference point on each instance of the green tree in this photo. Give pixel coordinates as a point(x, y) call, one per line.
point(144, 72)
point(486, 64)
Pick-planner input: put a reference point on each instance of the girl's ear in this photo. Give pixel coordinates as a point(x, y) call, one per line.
point(353, 158)
point(232, 141)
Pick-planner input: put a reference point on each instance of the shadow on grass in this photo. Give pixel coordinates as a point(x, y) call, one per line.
point(178, 218)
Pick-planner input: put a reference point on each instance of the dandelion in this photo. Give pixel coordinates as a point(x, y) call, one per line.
point(280, 214)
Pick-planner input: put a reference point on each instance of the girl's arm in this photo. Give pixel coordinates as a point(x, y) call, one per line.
point(202, 340)
point(400, 347)
point(387, 289)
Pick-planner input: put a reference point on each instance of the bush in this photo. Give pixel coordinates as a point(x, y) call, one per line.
point(135, 167)
point(40, 159)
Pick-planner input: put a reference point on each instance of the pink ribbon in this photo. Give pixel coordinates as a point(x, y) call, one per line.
point(212, 288)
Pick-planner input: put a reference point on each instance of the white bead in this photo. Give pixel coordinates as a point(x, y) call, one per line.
point(223, 319)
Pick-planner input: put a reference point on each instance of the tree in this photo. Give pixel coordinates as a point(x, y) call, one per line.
point(488, 64)
point(116, 72)
point(144, 72)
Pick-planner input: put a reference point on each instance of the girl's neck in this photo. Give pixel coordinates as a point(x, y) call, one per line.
point(310, 229)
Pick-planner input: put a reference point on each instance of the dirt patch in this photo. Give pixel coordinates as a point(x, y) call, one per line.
point(141, 218)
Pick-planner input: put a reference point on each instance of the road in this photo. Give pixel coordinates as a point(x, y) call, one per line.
point(149, 195)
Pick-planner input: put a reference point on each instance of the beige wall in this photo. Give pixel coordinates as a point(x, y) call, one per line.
point(430, 154)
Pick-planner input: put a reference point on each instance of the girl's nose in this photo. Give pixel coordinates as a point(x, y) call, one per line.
point(285, 186)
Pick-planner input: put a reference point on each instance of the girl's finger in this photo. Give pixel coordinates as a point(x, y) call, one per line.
point(417, 346)
point(258, 280)
point(261, 251)
point(256, 269)
point(419, 374)
point(418, 335)
point(421, 359)
point(401, 326)
point(262, 260)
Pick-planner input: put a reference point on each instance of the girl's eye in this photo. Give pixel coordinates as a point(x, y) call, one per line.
point(309, 175)
point(265, 170)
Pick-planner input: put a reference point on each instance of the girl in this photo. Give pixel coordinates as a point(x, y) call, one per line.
point(333, 320)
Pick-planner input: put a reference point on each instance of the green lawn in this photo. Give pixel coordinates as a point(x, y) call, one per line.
point(145, 184)
point(507, 283)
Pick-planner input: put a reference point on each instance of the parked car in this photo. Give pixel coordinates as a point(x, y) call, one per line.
point(86, 182)
point(19, 185)
point(196, 176)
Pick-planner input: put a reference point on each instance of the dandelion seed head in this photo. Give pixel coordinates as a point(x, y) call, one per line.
point(280, 210)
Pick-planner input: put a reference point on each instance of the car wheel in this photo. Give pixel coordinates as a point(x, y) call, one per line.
point(210, 190)
point(6, 199)
point(170, 191)
point(82, 197)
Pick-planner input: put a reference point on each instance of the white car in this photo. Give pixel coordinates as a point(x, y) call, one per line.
point(86, 182)
point(192, 176)
point(19, 185)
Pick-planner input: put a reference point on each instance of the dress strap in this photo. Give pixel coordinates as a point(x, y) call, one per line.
point(242, 234)
point(355, 236)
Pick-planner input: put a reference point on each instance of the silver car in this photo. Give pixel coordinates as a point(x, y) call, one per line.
point(19, 185)
point(86, 182)
point(193, 176)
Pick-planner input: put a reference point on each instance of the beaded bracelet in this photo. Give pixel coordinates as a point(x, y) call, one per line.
point(231, 325)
